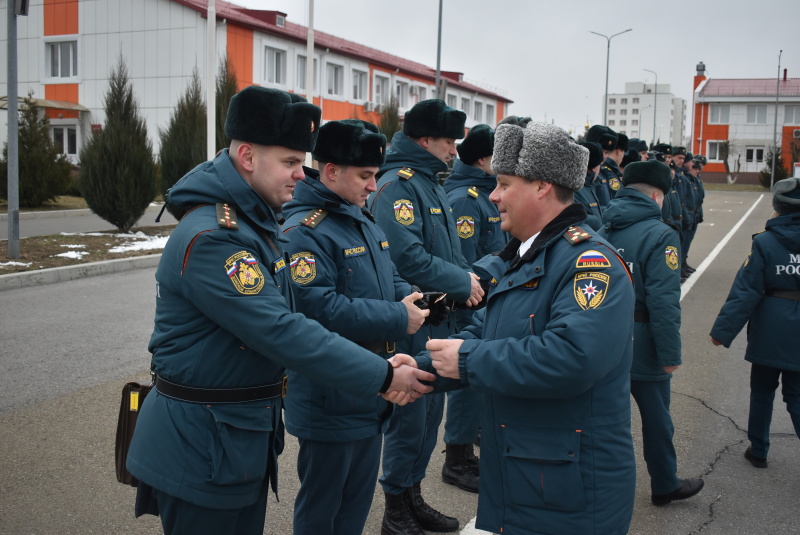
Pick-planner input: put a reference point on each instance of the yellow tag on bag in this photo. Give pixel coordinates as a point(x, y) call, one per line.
point(134, 405)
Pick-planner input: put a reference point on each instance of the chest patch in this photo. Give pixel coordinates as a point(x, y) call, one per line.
point(494, 220)
point(404, 211)
point(355, 251)
point(592, 259)
point(435, 211)
point(278, 265)
point(304, 267)
point(466, 227)
point(590, 288)
point(245, 274)
point(531, 284)
point(671, 256)
point(384, 245)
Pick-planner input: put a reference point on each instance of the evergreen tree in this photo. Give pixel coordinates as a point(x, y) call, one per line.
point(183, 143)
point(765, 175)
point(227, 86)
point(390, 120)
point(118, 172)
point(44, 172)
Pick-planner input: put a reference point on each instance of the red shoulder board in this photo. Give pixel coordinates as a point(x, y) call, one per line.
point(576, 235)
point(405, 173)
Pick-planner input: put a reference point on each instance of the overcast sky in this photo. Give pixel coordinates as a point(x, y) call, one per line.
point(542, 56)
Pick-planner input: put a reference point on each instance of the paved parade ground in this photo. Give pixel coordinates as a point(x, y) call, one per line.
point(67, 348)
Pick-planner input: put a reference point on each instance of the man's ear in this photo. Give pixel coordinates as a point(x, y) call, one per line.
point(245, 155)
point(330, 171)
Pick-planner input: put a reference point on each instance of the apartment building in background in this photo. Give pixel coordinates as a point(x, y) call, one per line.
point(648, 111)
point(734, 123)
point(67, 49)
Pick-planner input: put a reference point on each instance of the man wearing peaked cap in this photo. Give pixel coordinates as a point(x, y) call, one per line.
point(640, 146)
point(412, 209)
point(610, 169)
point(478, 223)
point(342, 277)
point(208, 436)
point(633, 224)
point(555, 282)
point(587, 195)
point(607, 139)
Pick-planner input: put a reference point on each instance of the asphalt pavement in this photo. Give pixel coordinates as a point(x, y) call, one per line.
point(68, 348)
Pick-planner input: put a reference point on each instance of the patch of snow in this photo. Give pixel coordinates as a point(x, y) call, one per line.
point(73, 246)
point(143, 243)
point(73, 254)
point(3, 264)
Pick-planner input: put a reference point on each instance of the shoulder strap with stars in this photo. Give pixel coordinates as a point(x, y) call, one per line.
point(575, 235)
point(405, 173)
point(313, 218)
point(226, 216)
point(473, 192)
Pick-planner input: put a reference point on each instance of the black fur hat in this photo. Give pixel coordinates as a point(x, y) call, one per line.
point(272, 117)
point(650, 172)
point(631, 156)
point(622, 142)
point(637, 144)
point(350, 142)
point(434, 118)
point(663, 148)
point(595, 153)
point(603, 136)
point(678, 151)
point(479, 143)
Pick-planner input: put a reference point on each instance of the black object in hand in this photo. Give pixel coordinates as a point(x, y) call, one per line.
point(437, 304)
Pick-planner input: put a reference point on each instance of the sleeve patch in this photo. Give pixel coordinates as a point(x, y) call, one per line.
point(466, 227)
point(671, 255)
point(590, 288)
point(592, 259)
point(304, 267)
point(245, 274)
point(404, 211)
point(405, 173)
point(473, 192)
point(747, 260)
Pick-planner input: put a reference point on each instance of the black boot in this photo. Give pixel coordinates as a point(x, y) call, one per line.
point(689, 269)
point(685, 272)
point(397, 519)
point(426, 516)
point(473, 460)
point(458, 467)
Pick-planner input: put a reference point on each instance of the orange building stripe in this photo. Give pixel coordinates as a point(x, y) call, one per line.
point(63, 92)
point(60, 17)
point(240, 54)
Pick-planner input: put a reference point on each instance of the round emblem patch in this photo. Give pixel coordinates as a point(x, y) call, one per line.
point(404, 211)
point(614, 183)
point(466, 227)
point(671, 255)
point(243, 271)
point(304, 267)
point(590, 288)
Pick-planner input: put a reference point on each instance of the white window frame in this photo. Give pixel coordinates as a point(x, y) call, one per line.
point(490, 114)
point(477, 112)
point(712, 149)
point(300, 85)
point(722, 113)
point(611, 122)
point(402, 92)
point(275, 63)
point(66, 125)
point(334, 79)
point(75, 63)
point(452, 101)
point(751, 154)
point(381, 85)
point(623, 122)
point(360, 84)
point(791, 114)
point(623, 101)
point(756, 114)
point(465, 105)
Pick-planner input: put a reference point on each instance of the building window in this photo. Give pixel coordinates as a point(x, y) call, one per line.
point(635, 111)
point(623, 112)
point(612, 112)
point(280, 21)
point(382, 95)
point(635, 133)
point(65, 139)
point(714, 150)
point(754, 154)
point(611, 122)
point(301, 74)
point(635, 122)
point(465, 105)
point(452, 101)
point(61, 59)
point(623, 122)
point(401, 94)
point(359, 85)
point(719, 114)
point(478, 111)
point(636, 100)
point(792, 115)
point(334, 75)
point(275, 66)
point(757, 114)
point(489, 114)
point(612, 101)
point(623, 101)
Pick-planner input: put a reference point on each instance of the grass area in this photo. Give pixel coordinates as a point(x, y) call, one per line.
point(62, 202)
point(734, 187)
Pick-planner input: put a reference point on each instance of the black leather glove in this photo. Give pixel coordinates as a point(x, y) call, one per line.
point(437, 304)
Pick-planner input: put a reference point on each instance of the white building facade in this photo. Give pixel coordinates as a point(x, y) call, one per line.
point(648, 111)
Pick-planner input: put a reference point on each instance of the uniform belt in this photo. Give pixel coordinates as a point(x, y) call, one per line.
point(785, 294)
point(212, 396)
point(641, 316)
point(379, 347)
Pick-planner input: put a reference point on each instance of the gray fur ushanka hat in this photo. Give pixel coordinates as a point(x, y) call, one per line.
point(786, 196)
point(540, 151)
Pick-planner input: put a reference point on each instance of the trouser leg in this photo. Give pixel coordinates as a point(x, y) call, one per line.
point(791, 396)
point(763, 383)
point(653, 399)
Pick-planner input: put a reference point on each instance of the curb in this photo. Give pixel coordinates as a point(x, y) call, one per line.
point(27, 279)
point(49, 214)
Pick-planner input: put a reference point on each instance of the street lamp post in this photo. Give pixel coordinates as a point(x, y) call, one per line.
point(655, 103)
point(608, 57)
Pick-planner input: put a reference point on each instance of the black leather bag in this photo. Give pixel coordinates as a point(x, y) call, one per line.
point(133, 395)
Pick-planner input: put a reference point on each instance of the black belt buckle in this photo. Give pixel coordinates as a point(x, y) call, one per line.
point(284, 385)
point(390, 347)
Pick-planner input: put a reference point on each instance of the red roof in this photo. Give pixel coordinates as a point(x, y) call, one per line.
point(264, 21)
point(751, 87)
